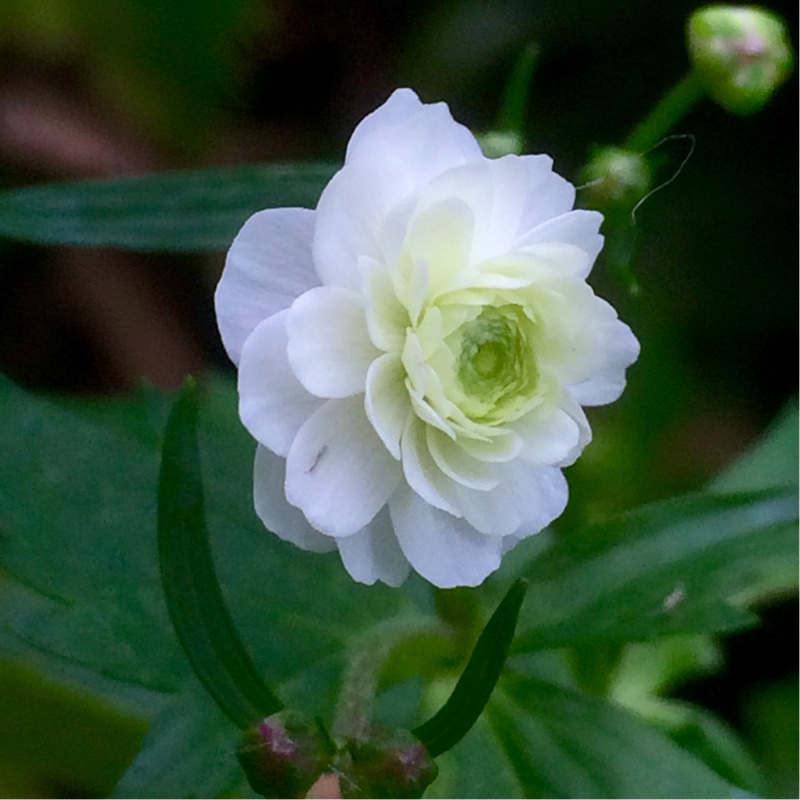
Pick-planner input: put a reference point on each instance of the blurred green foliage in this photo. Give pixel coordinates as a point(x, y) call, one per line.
point(168, 66)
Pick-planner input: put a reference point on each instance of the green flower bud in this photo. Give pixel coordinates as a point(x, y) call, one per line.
point(615, 180)
point(741, 54)
point(496, 144)
point(284, 755)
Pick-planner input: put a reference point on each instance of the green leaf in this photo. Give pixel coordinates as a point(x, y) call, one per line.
point(188, 752)
point(565, 744)
point(666, 568)
point(195, 601)
point(78, 483)
point(773, 462)
point(477, 681)
point(650, 670)
point(183, 211)
point(77, 526)
point(717, 745)
point(476, 767)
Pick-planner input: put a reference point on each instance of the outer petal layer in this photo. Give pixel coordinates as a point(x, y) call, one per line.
point(268, 266)
point(278, 516)
point(527, 497)
point(580, 228)
point(393, 153)
point(443, 549)
point(329, 346)
point(338, 471)
point(618, 349)
point(273, 404)
point(425, 138)
point(373, 554)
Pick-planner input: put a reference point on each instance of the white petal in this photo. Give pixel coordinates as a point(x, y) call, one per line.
point(439, 237)
point(351, 214)
point(508, 196)
point(273, 404)
point(577, 413)
point(532, 266)
point(617, 349)
point(495, 192)
point(386, 401)
point(424, 137)
point(338, 471)
point(527, 496)
point(393, 152)
point(285, 521)
point(373, 553)
point(268, 265)
point(457, 464)
point(504, 447)
point(558, 259)
point(446, 551)
point(580, 228)
point(387, 318)
point(422, 472)
point(549, 195)
point(550, 435)
point(329, 346)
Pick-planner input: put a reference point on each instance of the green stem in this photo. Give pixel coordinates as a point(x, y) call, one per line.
point(669, 111)
point(353, 715)
point(515, 98)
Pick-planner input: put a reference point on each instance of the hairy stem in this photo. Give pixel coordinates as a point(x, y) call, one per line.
point(367, 658)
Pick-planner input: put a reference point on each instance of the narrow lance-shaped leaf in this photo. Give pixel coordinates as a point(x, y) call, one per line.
point(470, 695)
point(193, 595)
point(192, 212)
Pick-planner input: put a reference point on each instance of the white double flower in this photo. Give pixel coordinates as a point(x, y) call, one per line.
point(413, 355)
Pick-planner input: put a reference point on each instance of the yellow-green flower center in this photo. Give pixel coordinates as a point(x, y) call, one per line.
point(495, 362)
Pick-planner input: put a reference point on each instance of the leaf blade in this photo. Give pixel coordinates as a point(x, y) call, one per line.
point(193, 211)
point(665, 568)
point(470, 695)
point(194, 598)
point(188, 751)
point(566, 744)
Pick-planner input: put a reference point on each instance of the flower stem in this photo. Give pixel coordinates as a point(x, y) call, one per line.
point(353, 715)
point(675, 104)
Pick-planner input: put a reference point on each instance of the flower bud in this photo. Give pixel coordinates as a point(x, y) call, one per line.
point(283, 756)
point(741, 54)
point(496, 144)
point(391, 764)
point(615, 180)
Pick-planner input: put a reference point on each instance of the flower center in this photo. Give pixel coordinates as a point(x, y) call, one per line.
point(488, 358)
point(496, 367)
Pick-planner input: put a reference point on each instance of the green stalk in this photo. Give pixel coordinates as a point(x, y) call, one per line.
point(675, 104)
point(353, 716)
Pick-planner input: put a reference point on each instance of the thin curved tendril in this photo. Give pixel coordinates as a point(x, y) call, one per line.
point(693, 143)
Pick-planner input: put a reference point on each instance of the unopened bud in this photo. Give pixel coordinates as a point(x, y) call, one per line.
point(741, 54)
point(283, 756)
point(496, 144)
point(390, 764)
point(615, 180)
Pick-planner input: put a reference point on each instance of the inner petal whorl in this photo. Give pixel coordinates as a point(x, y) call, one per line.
point(495, 361)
